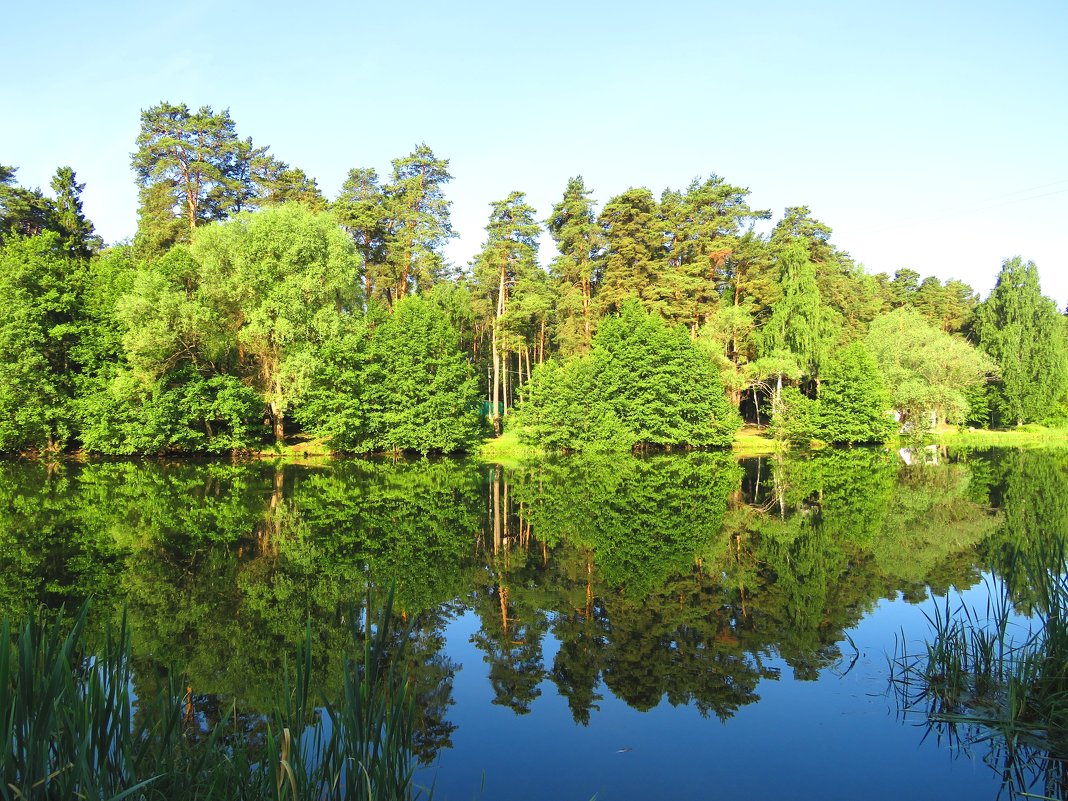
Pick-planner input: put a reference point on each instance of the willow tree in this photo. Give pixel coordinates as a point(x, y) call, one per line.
point(927, 370)
point(279, 280)
point(1022, 330)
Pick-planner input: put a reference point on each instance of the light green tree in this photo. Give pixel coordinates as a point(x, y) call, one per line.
point(280, 280)
point(926, 369)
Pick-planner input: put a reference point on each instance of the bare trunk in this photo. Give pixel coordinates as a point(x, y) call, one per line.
point(586, 299)
point(504, 379)
point(496, 509)
point(495, 406)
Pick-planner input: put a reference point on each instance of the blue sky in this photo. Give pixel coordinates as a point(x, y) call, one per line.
point(927, 135)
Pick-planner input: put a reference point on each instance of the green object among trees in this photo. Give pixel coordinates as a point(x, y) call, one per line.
point(644, 383)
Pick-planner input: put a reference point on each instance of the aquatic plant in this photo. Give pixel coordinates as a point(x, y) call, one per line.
point(1000, 678)
point(78, 729)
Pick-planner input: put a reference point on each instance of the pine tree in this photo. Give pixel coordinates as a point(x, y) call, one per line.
point(573, 226)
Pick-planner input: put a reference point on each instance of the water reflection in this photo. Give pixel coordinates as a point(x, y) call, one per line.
point(678, 577)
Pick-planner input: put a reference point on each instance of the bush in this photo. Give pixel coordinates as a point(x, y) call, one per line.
point(643, 384)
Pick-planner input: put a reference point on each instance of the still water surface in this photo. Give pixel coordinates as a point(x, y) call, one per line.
point(679, 625)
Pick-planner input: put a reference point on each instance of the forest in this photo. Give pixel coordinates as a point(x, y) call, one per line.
point(250, 310)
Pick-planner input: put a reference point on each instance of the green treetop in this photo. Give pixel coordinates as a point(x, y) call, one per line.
point(573, 226)
point(1022, 331)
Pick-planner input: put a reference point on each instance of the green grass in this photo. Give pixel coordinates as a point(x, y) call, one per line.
point(753, 441)
point(1021, 437)
point(75, 729)
point(507, 449)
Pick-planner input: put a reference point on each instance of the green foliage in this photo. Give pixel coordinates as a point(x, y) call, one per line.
point(797, 418)
point(39, 326)
point(23, 212)
point(78, 237)
point(401, 384)
point(926, 369)
point(854, 404)
point(799, 323)
point(1022, 331)
point(644, 383)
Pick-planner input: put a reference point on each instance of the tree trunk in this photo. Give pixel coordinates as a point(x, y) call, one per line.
point(504, 379)
point(495, 393)
point(586, 300)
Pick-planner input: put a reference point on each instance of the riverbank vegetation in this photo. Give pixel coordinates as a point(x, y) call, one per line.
point(83, 724)
point(250, 309)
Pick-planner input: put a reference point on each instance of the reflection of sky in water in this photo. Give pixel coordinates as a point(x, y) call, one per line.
point(835, 738)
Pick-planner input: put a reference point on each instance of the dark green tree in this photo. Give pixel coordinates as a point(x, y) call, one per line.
point(23, 212)
point(39, 326)
point(191, 166)
point(361, 208)
point(633, 248)
point(644, 383)
point(854, 404)
point(419, 223)
point(1022, 331)
point(78, 235)
point(573, 226)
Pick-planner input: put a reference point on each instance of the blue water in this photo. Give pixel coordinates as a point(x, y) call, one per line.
point(839, 737)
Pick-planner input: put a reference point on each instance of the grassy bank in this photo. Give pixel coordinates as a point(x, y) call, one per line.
point(1026, 436)
point(507, 449)
point(753, 441)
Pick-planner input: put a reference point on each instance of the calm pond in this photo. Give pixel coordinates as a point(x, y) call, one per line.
point(685, 626)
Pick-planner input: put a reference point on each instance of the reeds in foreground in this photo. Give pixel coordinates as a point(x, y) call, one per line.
point(76, 731)
point(1000, 679)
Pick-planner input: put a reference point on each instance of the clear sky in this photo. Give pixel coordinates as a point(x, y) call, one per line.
point(929, 135)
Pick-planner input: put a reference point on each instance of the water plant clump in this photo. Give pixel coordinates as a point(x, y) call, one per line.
point(1000, 678)
point(77, 729)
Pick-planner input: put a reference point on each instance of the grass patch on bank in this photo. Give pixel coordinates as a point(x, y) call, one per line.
point(1024, 436)
point(753, 441)
point(507, 448)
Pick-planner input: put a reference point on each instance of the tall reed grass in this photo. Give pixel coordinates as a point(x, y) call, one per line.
point(1000, 678)
point(77, 731)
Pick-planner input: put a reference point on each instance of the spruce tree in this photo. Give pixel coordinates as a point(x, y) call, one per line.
point(854, 404)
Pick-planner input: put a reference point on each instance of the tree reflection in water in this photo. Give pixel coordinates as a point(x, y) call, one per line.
point(682, 577)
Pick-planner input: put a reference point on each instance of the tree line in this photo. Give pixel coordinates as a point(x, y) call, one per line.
point(249, 307)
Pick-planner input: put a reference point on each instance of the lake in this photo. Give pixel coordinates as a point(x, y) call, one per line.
point(685, 625)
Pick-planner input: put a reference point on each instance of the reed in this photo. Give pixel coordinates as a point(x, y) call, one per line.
point(78, 731)
point(994, 676)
